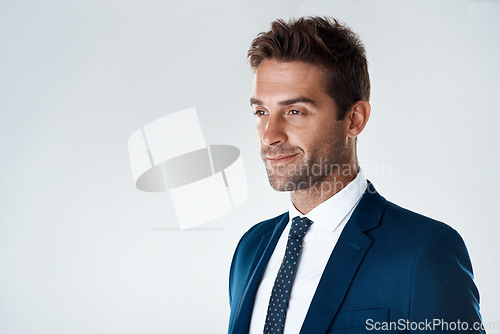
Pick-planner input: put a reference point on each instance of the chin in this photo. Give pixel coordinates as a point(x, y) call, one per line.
point(280, 184)
point(288, 184)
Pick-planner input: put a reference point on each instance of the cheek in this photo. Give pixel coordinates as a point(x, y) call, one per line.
point(259, 130)
point(322, 141)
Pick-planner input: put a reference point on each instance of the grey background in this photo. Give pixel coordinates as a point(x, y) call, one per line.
point(83, 251)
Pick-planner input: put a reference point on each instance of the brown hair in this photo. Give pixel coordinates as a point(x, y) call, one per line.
point(320, 41)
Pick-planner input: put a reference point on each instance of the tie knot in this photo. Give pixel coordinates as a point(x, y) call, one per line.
point(299, 227)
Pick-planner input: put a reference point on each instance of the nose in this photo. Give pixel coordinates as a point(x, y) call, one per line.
point(274, 133)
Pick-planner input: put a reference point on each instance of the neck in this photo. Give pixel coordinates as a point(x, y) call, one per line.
point(307, 199)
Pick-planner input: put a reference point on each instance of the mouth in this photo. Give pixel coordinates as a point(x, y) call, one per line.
point(280, 159)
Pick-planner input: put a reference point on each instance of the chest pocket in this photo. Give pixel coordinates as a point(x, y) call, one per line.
point(358, 321)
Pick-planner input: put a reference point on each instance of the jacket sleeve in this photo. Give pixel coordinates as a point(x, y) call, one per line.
point(233, 272)
point(444, 298)
point(241, 262)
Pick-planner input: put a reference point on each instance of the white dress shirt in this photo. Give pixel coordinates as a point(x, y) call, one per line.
point(329, 219)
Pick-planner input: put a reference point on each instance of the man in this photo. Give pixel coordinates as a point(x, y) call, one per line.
point(342, 259)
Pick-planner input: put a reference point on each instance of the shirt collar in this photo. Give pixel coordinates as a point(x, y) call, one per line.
point(330, 213)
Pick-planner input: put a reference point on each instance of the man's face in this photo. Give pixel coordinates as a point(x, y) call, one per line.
point(301, 141)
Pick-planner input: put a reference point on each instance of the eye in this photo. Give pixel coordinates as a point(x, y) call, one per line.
point(296, 112)
point(259, 112)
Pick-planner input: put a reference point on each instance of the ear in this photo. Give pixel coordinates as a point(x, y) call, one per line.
point(357, 117)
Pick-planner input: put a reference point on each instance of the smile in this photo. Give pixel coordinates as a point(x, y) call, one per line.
point(282, 159)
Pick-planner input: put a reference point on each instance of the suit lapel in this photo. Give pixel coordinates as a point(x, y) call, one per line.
point(344, 262)
point(264, 251)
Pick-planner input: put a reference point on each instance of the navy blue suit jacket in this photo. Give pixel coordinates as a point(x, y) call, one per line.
point(391, 269)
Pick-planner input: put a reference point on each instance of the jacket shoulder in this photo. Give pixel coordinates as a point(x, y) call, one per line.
point(412, 221)
point(442, 280)
point(411, 233)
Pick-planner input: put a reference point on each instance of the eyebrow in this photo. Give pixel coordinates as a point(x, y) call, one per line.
point(254, 101)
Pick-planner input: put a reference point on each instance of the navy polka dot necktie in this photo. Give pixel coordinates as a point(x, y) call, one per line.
point(278, 303)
